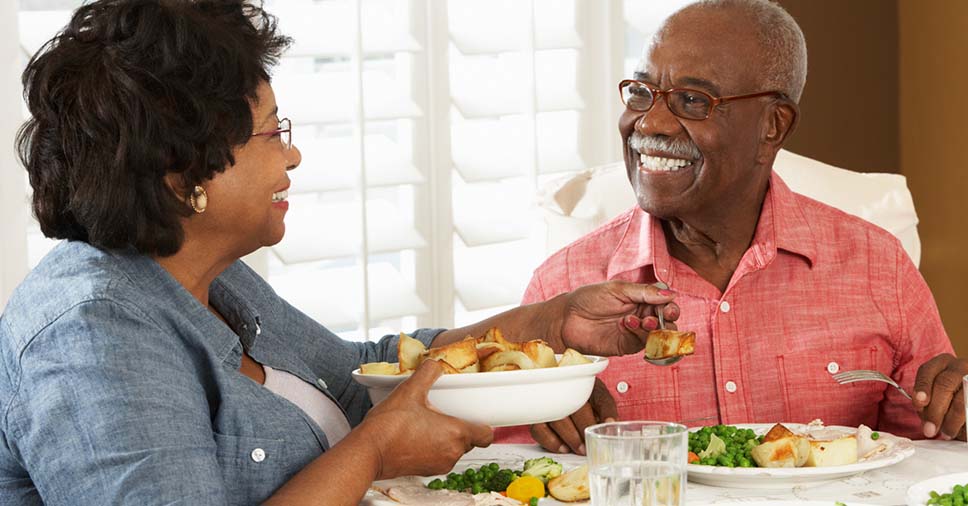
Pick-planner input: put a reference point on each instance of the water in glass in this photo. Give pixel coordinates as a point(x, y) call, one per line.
point(637, 483)
point(637, 463)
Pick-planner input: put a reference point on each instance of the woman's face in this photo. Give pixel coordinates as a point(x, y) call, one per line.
point(246, 202)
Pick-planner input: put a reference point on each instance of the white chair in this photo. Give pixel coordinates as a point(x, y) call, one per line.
point(576, 205)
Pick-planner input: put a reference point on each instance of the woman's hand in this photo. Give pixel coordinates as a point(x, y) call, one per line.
point(613, 318)
point(412, 437)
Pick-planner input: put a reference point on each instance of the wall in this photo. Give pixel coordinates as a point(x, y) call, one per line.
point(933, 110)
point(849, 106)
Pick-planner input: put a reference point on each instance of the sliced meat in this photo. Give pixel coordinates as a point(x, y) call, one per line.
point(411, 491)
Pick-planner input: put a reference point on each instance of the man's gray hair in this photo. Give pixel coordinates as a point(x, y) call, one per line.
point(784, 47)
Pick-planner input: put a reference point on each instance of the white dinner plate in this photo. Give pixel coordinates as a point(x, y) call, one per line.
point(374, 498)
point(920, 492)
point(764, 477)
point(504, 398)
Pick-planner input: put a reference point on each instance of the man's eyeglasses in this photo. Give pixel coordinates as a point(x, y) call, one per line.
point(683, 102)
point(284, 131)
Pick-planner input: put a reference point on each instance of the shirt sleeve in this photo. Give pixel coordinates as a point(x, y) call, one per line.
point(921, 337)
point(107, 413)
point(534, 292)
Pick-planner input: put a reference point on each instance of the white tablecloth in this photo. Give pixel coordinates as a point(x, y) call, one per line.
point(886, 486)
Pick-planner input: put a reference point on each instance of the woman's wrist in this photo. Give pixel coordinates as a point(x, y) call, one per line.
point(368, 442)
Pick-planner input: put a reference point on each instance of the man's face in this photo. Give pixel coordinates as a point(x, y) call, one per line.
point(681, 167)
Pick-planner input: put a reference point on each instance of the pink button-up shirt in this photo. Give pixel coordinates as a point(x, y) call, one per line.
point(818, 291)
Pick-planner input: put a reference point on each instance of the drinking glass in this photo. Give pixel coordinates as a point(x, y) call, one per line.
point(637, 463)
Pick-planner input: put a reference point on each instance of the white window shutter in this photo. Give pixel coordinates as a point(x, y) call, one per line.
point(426, 127)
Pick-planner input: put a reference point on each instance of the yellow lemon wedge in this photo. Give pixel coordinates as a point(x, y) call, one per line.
point(526, 487)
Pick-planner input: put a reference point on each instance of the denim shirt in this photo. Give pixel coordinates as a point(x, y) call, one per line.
point(118, 386)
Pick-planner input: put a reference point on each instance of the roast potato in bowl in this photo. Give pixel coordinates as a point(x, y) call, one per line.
point(503, 397)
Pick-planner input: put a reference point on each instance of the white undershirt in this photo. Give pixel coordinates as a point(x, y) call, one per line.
point(314, 403)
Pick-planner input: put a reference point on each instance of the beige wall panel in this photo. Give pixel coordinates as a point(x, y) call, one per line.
point(933, 112)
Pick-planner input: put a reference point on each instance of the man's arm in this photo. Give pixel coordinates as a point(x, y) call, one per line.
point(922, 337)
point(610, 318)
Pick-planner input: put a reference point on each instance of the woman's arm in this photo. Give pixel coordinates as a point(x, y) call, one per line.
point(108, 413)
point(401, 436)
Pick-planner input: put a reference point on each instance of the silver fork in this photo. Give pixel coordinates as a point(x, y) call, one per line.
point(863, 375)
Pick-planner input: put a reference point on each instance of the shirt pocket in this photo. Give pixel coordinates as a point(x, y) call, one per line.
point(642, 391)
point(810, 392)
point(252, 468)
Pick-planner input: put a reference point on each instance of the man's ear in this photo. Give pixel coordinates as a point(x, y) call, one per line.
point(781, 120)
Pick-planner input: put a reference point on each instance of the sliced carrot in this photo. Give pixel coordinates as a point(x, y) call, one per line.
point(693, 457)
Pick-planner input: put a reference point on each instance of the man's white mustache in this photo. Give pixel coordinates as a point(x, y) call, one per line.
point(675, 148)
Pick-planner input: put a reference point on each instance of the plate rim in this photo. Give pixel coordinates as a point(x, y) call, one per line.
point(905, 450)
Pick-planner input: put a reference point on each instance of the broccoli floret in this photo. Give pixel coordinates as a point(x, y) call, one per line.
point(500, 481)
point(543, 468)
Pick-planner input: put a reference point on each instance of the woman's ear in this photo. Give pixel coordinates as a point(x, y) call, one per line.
point(176, 183)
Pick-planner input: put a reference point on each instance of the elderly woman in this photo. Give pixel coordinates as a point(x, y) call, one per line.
point(141, 360)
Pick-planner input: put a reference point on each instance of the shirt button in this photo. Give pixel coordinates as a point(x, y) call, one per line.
point(622, 387)
point(724, 306)
point(833, 367)
point(730, 386)
point(321, 383)
point(258, 455)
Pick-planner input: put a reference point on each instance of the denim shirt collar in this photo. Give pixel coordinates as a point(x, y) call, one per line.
point(241, 316)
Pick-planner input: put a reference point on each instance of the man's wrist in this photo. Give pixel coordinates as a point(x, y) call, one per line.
point(553, 317)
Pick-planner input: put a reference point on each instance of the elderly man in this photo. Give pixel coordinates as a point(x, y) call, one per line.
point(781, 290)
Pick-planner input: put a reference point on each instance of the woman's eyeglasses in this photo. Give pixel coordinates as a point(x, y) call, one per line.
point(284, 132)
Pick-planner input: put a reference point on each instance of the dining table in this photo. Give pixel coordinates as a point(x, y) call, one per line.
point(883, 486)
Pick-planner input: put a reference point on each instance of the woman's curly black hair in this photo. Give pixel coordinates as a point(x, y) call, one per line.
point(130, 91)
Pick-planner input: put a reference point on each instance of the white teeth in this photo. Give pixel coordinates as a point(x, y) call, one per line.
point(658, 163)
point(280, 196)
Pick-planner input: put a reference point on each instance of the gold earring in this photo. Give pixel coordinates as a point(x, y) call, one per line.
point(198, 199)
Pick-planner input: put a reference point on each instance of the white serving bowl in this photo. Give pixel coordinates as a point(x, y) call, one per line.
point(920, 492)
point(505, 398)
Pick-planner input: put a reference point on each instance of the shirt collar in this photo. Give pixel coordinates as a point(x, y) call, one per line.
point(782, 226)
point(151, 277)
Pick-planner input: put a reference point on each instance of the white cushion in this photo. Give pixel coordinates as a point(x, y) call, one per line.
point(576, 205)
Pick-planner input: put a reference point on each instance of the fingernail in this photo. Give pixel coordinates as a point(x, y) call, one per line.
point(920, 396)
point(650, 323)
point(930, 429)
point(609, 420)
point(632, 322)
point(945, 437)
point(667, 292)
point(562, 449)
point(581, 450)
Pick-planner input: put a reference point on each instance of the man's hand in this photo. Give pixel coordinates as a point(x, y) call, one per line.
point(568, 434)
point(615, 317)
point(939, 398)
